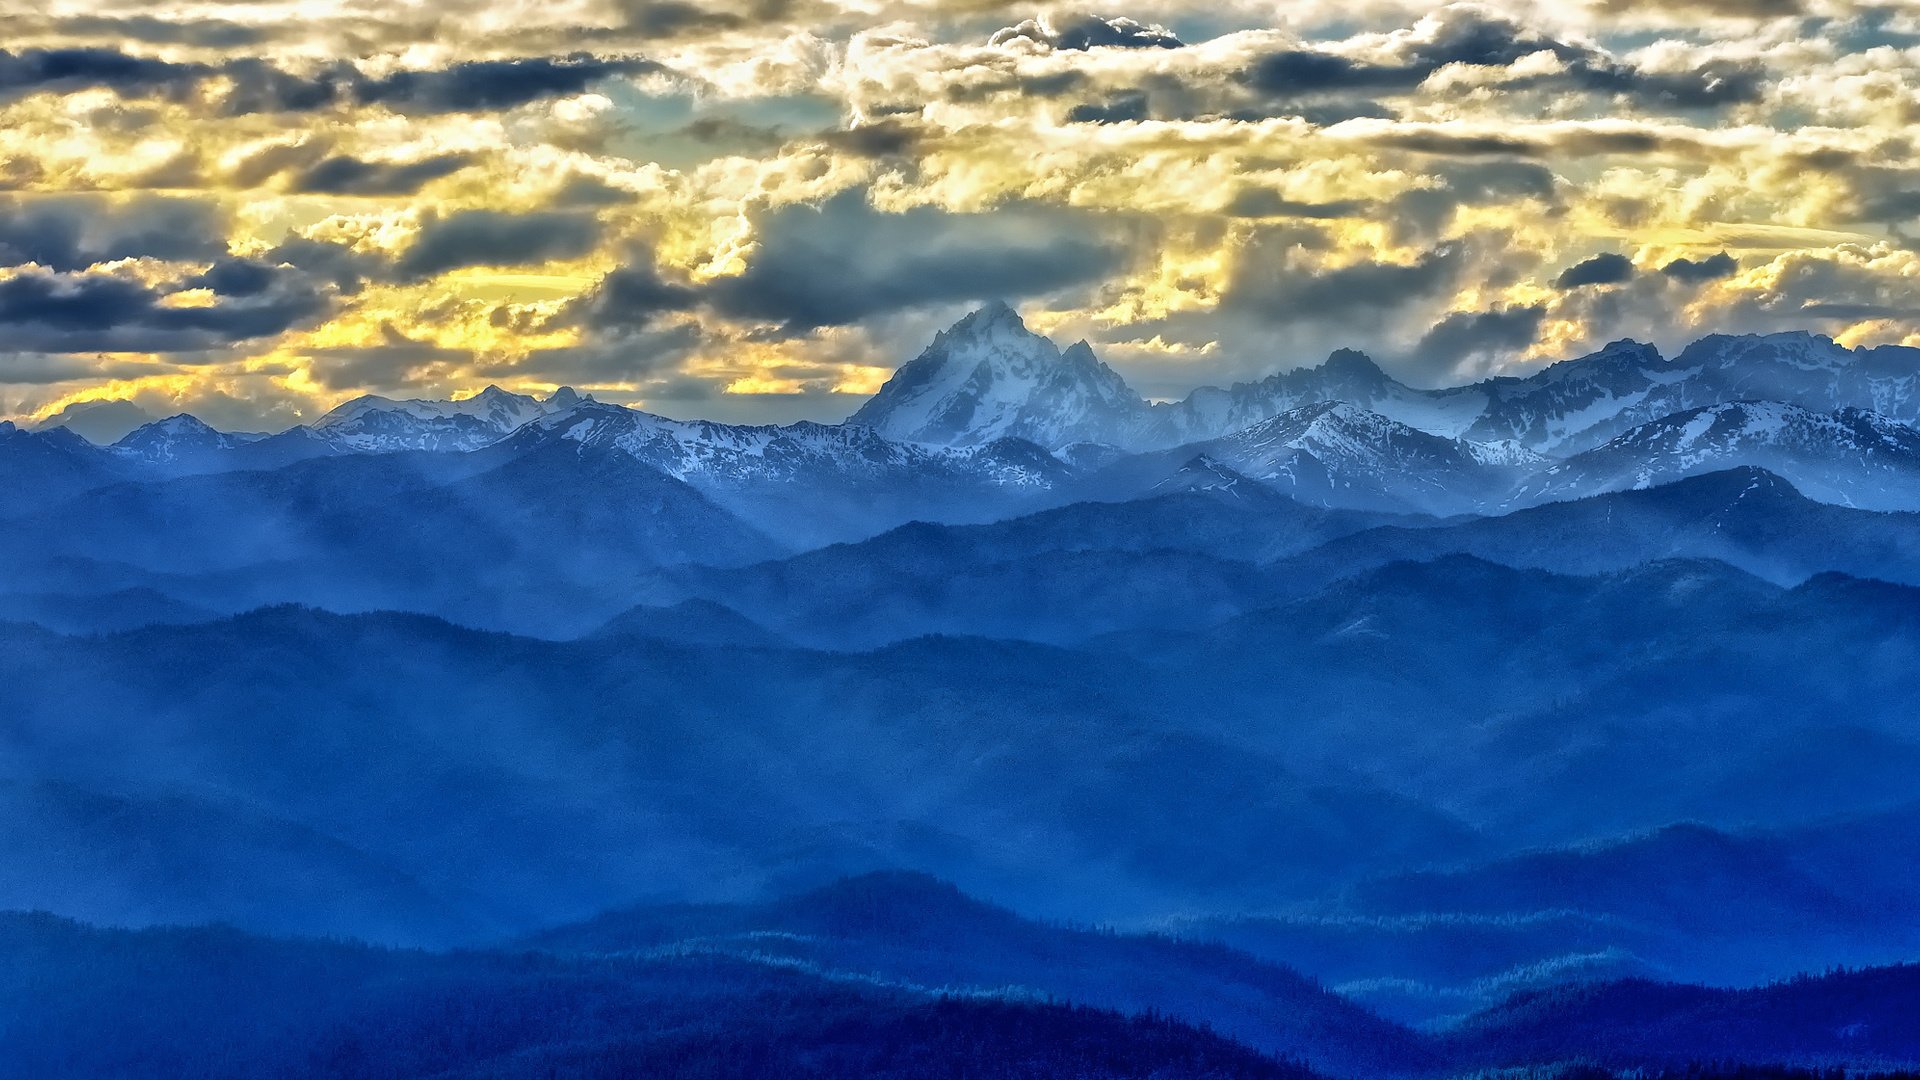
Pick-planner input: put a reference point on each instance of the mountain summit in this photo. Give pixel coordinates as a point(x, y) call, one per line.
point(371, 423)
point(988, 377)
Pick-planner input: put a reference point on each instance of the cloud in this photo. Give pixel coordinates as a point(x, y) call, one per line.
point(496, 238)
point(878, 139)
point(39, 368)
point(1080, 32)
point(844, 260)
point(1274, 283)
point(488, 85)
point(678, 18)
point(73, 232)
point(1722, 9)
point(1605, 269)
point(338, 266)
point(230, 276)
point(631, 297)
point(1116, 110)
point(151, 29)
point(1262, 202)
point(1389, 176)
point(1462, 335)
point(1711, 268)
point(93, 312)
point(30, 71)
point(649, 355)
point(397, 362)
point(1471, 37)
point(254, 85)
point(343, 174)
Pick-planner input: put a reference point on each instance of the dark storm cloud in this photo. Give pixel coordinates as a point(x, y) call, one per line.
point(1876, 193)
point(1270, 284)
point(1719, 83)
point(497, 238)
point(230, 276)
point(1805, 285)
point(631, 297)
point(1480, 182)
point(1419, 214)
point(1259, 202)
point(260, 87)
point(1291, 72)
point(30, 71)
point(73, 232)
point(1711, 268)
point(1452, 143)
point(672, 18)
point(843, 261)
point(488, 85)
point(40, 367)
point(629, 355)
point(1116, 110)
point(257, 86)
point(1739, 9)
point(344, 174)
point(881, 139)
point(678, 18)
point(205, 33)
point(1464, 334)
point(582, 191)
point(1605, 269)
point(396, 362)
point(1080, 31)
point(1051, 84)
point(75, 313)
point(1319, 113)
point(336, 265)
point(1474, 37)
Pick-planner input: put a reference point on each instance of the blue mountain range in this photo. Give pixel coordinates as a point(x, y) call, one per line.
point(1018, 726)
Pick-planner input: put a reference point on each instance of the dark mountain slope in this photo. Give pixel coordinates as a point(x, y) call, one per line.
point(542, 541)
point(905, 928)
point(1745, 517)
point(548, 780)
point(214, 1003)
point(1864, 1019)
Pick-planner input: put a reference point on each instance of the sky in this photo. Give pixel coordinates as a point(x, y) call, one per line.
point(753, 210)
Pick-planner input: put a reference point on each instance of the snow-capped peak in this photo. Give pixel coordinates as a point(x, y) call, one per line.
point(1850, 456)
point(176, 439)
point(989, 377)
point(181, 425)
point(373, 423)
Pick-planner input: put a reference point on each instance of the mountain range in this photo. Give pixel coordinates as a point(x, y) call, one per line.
point(993, 419)
point(834, 982)
point(1315, 727)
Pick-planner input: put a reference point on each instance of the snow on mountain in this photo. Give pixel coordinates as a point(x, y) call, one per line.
point(1850, 457)
point(1204, 474)
point(1347, 376)
point(374, 424)
point(41, 468)
point(1338, 454)
point(1506, 453)
point(176, 440)
point(989, 377)
point(706, 453)
point(1577, 405)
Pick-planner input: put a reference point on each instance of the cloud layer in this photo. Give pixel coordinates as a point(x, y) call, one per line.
point(755, 209)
